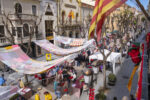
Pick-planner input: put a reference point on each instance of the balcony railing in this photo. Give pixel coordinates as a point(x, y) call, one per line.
point(22, 16)
point(72, 23)
point(4, 41)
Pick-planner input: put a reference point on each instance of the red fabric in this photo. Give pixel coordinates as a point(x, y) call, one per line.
point(90, 67)
point(70, 77)
point(62, 84)
point(83, 53)
point(36, 76)
point(134, 54)
point(60, 71)
point(148, 40)
point(39, 78)
point(65, 90)
point(140, 79)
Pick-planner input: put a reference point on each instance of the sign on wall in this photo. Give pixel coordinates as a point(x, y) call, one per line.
point(48, 57)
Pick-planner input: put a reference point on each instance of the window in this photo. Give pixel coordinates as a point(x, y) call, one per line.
point(26, 30)
point(49, 11)
point(2, 34)
point(70, 34)
point(49, 28)
point(63, 17)
point(77, 35)
point(34, 9)
point(19, 31)
point(77, 17)
point(18, 8)
point(13, 31)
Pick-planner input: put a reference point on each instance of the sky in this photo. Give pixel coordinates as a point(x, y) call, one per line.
point(133, 3)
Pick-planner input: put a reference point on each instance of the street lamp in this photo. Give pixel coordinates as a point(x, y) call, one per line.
point(95, 72)
point(87, 75)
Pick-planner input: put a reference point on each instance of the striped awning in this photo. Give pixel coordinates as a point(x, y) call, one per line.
point(77, 42)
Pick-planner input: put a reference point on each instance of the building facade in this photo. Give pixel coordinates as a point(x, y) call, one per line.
point(69, 18)
point(18, 20)
point(112, 21)
point(49, 19)
point(87, 8)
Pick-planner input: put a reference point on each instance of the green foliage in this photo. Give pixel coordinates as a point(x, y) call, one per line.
point(112, 77)
point(143, 19)
point(100, 95)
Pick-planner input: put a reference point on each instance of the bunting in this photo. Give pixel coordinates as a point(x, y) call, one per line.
point(102, 9)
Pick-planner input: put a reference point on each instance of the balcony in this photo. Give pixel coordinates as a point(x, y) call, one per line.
point(4, 41)
point(74, 24)
point(28, 17)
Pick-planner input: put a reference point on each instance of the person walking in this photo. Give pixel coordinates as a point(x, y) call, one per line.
point(58, 92)
point(55, 85)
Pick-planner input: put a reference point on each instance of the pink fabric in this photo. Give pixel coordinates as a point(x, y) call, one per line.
point(14, 46)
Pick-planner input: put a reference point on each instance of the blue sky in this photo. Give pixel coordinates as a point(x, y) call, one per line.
point(133, 3)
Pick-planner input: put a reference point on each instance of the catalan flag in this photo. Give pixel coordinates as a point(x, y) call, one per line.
point(71, 14)
point(102, 9)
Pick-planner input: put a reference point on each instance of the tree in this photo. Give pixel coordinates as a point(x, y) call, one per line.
point(7, 22)
point(143, 9)
point(124, 19)
point(101, 45)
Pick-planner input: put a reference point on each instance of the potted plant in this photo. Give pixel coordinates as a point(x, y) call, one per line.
point(100, 95)
point(111, 79)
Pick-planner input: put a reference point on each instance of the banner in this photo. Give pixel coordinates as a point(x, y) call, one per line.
point(16, 59)
point(45, 44)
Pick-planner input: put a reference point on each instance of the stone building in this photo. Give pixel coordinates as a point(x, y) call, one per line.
point(111, 21)
point(49, 19)
point(23, 15)
point(69, 18)
point(87, 7)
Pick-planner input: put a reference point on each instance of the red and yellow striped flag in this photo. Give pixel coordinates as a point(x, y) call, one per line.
point(102, 9)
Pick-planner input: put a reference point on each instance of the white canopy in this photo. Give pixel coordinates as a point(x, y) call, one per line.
point(114, 57)
point(68, 40)
point(7, 91)
point(45, 44)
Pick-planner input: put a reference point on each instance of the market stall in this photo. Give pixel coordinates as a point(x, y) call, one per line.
point(45, 44)
point(7, 91)
point(113, 57)
point(16, 59)
point(67, 40)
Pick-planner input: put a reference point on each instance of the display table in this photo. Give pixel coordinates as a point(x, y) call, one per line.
point(25, 92)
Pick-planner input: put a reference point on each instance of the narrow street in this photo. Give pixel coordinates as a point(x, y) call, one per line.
point(120, 89)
